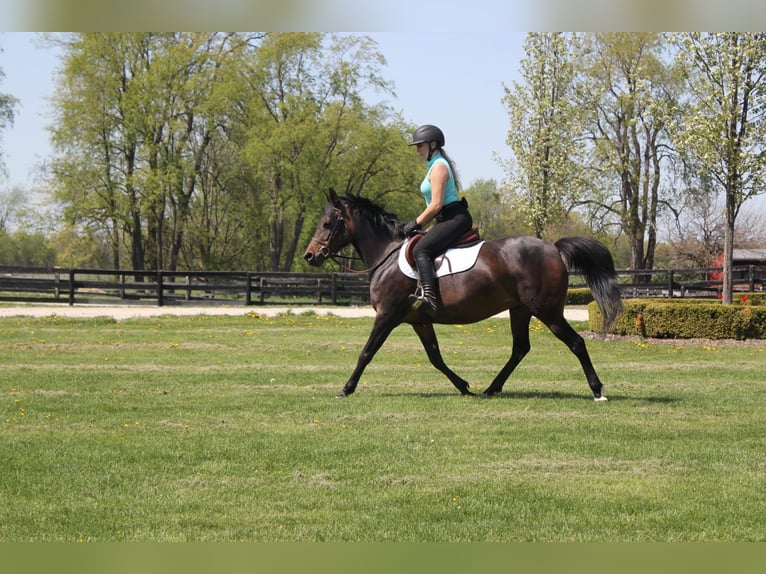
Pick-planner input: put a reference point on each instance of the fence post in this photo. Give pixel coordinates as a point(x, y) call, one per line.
point(751, 277)
point(670, 284)
point(160, 290)
point(249, 289)
point(71, 287)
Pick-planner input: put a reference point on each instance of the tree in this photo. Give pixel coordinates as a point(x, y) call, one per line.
point(208, 150)
point(544, 130)
point(306, 127)
point(25, 249)
point(95, 140)
point(696, 229)
point(8, 105)
point(136, 114)
point(183, 114)
point(496, 210)
point(628, 91)
point(724, 126)
point(12, 203)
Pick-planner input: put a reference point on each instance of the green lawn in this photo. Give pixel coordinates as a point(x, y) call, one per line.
point(228, 429)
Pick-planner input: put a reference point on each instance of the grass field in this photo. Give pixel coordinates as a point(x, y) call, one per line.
point(227, 429)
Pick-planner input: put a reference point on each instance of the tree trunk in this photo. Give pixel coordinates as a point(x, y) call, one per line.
point(728, 248)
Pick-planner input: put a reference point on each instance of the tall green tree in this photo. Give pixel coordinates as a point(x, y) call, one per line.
point(96, 141)
point(628, 92)
point(724, 125)
point(210, 150)
point(217, 234)
point(496, 211)
point(306, 127)
point(544, 130)
point(136, 114)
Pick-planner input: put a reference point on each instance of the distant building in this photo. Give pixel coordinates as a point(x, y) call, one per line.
point(741, 258)
point(749, 257)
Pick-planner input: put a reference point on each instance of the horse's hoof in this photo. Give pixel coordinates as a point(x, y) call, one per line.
point(601, 399)
point(341, 395)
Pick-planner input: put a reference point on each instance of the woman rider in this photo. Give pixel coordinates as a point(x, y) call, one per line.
point(452, 219)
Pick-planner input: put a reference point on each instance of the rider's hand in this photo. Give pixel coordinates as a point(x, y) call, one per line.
point(410, 228)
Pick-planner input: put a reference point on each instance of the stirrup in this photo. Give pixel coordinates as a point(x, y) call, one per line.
point(417, 298)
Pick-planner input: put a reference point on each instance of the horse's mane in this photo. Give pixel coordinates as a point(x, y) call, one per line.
point(374, 213)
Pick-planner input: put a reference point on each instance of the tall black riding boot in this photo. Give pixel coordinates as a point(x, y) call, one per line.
point(428, 297)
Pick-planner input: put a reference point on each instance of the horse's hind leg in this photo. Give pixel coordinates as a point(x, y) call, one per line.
point(576, 344)
point(428, 337)
point(520, 318)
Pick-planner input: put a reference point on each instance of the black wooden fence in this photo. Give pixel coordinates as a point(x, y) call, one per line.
point(698, 282)
point(99, 286)
point(91, 286)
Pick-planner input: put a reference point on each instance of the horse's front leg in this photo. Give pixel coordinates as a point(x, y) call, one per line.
point(428, 337)
point(381, 329)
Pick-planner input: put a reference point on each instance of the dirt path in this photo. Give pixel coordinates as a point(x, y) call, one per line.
point(132, 311)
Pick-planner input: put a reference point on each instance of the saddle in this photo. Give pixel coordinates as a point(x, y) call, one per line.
point(469, 238)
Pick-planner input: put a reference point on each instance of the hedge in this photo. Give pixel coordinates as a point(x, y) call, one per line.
point(688, 318)
point(579, 296)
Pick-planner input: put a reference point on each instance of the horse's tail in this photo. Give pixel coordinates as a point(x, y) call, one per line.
point(592, 259)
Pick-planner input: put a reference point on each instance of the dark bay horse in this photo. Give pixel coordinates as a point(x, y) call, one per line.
point(525, 275)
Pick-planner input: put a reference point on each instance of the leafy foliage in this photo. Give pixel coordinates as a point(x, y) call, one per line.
point(545, 123)
point(725, 125)
point(211, 150)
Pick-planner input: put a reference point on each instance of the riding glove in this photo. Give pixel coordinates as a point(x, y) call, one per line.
point(410, 228)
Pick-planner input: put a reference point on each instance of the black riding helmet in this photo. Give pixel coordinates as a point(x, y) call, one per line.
point(428, 133)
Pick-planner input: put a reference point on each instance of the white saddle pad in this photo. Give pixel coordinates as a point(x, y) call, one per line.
point(455, 260)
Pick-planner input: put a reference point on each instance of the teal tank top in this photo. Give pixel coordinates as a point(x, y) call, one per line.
point(450, 189)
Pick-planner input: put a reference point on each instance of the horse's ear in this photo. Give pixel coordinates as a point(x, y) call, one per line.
point(332, 197)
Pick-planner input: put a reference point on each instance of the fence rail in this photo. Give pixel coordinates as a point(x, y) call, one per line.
point(84, 286)
point(697, 282)
point(98, 286)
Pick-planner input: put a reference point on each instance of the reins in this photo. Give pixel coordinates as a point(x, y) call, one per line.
point(339, 259)
point(369, 270)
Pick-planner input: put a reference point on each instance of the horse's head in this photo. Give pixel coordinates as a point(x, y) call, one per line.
point(331, 234)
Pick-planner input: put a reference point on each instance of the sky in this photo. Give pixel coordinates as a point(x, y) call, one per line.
point(453, 80)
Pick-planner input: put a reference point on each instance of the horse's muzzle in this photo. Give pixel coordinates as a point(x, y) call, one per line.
point(316, 260)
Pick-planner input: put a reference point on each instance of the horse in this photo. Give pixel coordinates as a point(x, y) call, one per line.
point(525, 275)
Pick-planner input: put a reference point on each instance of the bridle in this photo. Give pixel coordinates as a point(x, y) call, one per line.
point(324, 248)
point(338, 222)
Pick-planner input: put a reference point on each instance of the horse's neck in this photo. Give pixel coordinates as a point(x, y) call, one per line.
point(373, 245)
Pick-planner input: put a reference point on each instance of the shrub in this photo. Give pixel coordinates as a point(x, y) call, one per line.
point(685, 319)
point(579, 296)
